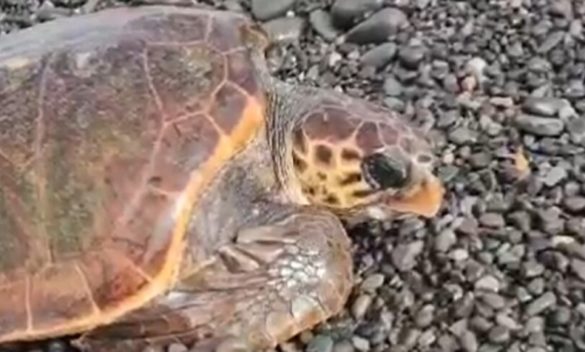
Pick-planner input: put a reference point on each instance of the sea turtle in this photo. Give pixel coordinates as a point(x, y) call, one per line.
point(158, 185)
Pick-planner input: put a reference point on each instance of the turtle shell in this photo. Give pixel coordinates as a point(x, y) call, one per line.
point(111, 127)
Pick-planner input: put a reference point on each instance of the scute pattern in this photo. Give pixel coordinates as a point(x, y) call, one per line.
point(104, 150)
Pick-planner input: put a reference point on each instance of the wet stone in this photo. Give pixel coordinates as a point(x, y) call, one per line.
point(269, 9)
point(378, 27)
point(487, 283)
point(410, 56)
point(372, 282)
point(320, 343)
point(499, 334)
point(360, 306)
point(541, 304)
point(543, 106)
point(285, 29)
point(322, 24)
point(346, 12)
point(380, 55)
point(540, 126)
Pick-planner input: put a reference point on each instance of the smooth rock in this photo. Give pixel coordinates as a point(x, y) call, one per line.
point(285, 29)
point(378, 27)
point(345, 12)
point(265, 10)
point(540, 304)
point(322, 24)
point(540, 126)
point(380, 55)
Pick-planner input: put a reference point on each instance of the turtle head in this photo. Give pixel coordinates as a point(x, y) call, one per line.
point(357, 158)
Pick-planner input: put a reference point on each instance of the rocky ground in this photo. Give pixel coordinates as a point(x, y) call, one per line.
point(499, 85)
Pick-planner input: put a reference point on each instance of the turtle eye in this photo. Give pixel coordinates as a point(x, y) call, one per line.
point(383, 172)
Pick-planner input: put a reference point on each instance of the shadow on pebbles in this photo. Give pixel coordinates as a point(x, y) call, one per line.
point(499, 86)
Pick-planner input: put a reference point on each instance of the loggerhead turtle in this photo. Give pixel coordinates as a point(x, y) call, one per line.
point(157, 184)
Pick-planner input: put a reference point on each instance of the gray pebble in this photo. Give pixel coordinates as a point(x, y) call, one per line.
point(574, 204)
point(372, 283)
point(499, 334)
point(424, 317)
point(410, 56)
point(562, 315)
point(552, 40)
point(404, 255)
point(378, 27)
point(322, 24)
point(508, 322)
point(285, 29)
point(343, 346)
point(360, 306)
point(543, 106)
point(554, 176)
point(536, 286)
point(392, 87)
point(542, 303)
point(445, 240)
point(540, 126)
point(427, 338)
point(360, 343)
point(380, 55)
point(578, 267)
point(532, 268)
point(462, 136)
point(576, 128)
point(346, 12)
point(493, 220)
point(468, 341)
point(494, 300)
point(320, 343)
point(265, 10)
point(487, 283)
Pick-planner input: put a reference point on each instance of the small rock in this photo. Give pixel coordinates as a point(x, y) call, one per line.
point(320, 343)
point(574, 204)
point(552, 40)
point(493, 220)
point(543, 106)
point(285, 29)
point(410, 56)
point(343, 346)
point(392, 87)
point(404, 255)
point(540, 126)
point(468, 341)
point(360, 343)
point(445, 240)
point(540, 304)
point(265, 10)
point(360, 306)
point(462, 136)
point(378, 27)
point(346, 12)
point(554, 176)
point(487, 283)
point(499, 334)
point(578, 267)
point(322, 24)
point(425, 315)
point(372, 282)
point(380, 55)
point(576, 128)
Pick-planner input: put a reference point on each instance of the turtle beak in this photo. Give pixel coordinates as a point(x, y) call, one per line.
point(425, 199)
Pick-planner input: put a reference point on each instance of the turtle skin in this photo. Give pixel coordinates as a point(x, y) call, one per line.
point(157, 186)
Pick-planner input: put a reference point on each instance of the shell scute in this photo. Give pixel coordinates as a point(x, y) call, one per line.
point(239, 72)
point(184, 77)
point(228, 107)
point(172, 28)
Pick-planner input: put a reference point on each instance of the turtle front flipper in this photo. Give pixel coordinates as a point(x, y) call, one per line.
point(275, 280)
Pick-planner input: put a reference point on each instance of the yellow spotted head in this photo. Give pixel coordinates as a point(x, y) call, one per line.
point(350, 155)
